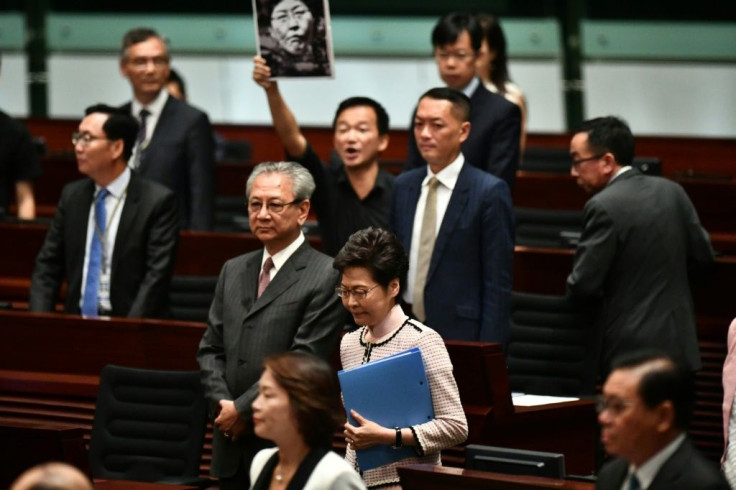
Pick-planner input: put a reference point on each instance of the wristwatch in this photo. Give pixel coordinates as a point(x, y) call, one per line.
point(398, 443)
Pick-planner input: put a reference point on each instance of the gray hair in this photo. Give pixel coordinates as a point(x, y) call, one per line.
point(302, 183)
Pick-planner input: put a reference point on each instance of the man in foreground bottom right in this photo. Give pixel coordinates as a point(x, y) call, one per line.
point(644, 414)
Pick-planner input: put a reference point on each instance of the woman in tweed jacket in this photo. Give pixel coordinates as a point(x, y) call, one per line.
point(373, 265)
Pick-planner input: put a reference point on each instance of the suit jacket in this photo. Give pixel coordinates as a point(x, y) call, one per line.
point(299, 310)
point(142, 260)
point(493, 143)
point(468, 286)
point(180, 155)
point(640, 234)
point(686, 469)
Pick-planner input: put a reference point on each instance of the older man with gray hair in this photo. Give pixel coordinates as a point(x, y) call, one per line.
point(272, 300)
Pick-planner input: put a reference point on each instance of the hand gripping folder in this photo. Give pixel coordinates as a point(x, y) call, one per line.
point(392, 392)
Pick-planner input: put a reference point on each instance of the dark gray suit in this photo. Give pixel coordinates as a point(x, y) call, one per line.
point(180, 155)
point(299, 310)
point(143, 256)
point(686, 469)
point(640, 235)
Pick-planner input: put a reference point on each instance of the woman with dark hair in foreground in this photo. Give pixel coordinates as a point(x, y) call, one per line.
point(298, 408)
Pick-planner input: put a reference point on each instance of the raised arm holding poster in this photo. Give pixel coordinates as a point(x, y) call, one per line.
point(294, 37)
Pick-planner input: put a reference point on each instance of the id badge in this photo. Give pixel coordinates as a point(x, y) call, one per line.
point(103, 295)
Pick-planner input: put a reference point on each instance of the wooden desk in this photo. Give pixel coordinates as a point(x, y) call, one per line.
point(569, 428)
point(429, 477)
point(28, 443)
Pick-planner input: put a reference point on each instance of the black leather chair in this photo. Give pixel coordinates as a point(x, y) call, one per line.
point(553, 347)
point(549, 228)
point(148, 426)
point(540, 159)
point(191, 297)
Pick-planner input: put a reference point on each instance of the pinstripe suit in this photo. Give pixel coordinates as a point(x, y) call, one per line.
point(298, 311)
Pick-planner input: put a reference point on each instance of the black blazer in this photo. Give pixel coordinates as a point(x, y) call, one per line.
point(640, 236)
point(299, 310)
point(143, 255)
point(686, 469)
point(180, 155)
point(493, 143)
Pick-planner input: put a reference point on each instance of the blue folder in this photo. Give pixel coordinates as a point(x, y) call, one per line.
point(392, 392)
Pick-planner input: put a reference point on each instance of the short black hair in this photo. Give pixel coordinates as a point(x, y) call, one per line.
point(460, 102)
point(139, 35)
point(451, 25)
point(610, 134)
point(176, 78)
point(379, 251)
point(120, 125)
point(381, 114)
point(666, 379)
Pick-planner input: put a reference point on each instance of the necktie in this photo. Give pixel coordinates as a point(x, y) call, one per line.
point(94, 266)
point(426, 245)
point(265, 276)
point(141, 139)
point(634, 482)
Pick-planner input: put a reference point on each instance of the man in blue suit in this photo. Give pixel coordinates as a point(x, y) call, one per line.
point(456, 222)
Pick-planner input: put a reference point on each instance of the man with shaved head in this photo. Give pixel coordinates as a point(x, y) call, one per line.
point(52, 476)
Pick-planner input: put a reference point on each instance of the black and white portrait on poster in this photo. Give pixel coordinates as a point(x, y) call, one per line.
point(294, 37)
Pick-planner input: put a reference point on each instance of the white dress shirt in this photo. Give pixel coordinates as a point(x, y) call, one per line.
point(118, 190)
point(646, 472)
point(280, 257)
point(155, 108)
point(447, 178)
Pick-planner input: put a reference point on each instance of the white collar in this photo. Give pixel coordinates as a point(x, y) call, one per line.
point(447, 176)
point(280, 257)
point(646, 472)
point(155, 107)
point(117, 186)
point(620, 171)
point(470, 88)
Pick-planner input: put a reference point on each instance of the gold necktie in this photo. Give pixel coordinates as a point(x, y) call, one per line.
point(426, 245)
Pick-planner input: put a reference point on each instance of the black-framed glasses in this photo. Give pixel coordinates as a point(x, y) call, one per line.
point(615, 406)
point(85, 138)
point(458, 55)
point(576, 163)
point(271, 207)
point(357, 293)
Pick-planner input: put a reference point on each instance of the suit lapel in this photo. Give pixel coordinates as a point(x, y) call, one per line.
point(455, 208)
point(249, 282)
point(127, 218)
point(672, 470)
point(78, 211)
point(408, 207)
point(166, 113)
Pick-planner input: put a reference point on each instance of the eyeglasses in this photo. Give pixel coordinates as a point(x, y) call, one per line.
point(85, 138)
point(142, 62)
point(255, 207)
point(357, 293)
point(458, 55)
point(615, 406)
point(576, 163)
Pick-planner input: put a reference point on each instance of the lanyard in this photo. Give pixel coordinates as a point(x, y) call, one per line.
point(102, 234)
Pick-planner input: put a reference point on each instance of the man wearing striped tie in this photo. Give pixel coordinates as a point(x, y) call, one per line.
point(644, 414)
point(281, 297)
point(114, 235)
